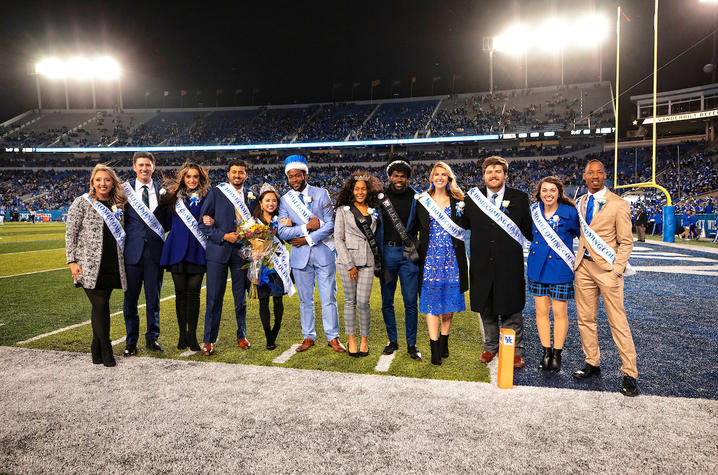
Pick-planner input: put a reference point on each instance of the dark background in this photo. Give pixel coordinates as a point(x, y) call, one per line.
point(295, 52)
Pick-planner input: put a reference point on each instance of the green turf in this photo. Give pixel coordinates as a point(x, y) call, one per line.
point(692, 242)
point(43, 302)
point(14, 247)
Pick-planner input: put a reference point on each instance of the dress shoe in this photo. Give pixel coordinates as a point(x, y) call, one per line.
point(444, 345)
point(364, 353)
point(130, 350)
point(519, 361)
point(546, 359)
point(487, 356)
point(435, 352)
point(243, 343)
point(207, 349)
point(306, 344)
point(108, 357)
point(353, 355)
point(154, 346)
point(414, 354)
point(337, 346)
point(271, 345)
point(588, 371)
point(555, 364)
point(630, 386)
point(390, 348)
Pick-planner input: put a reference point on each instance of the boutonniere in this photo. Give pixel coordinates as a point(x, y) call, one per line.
point(194, 199)
point(554, 221)
point(601, 202)
point(250, 196)
point(309, 202)
point(373, 212)
point(417, 196)
point(460, 208)
point(116, 211)
point(163, 192)
point(504, 206)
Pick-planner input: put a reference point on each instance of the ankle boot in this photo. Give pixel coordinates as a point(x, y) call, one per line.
point(444, 345)
point(108, 358)
point(95, 349)
point(435, 352)
point(546, 359)
point(555, 365)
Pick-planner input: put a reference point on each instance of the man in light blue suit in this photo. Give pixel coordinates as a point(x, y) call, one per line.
point(306, 221)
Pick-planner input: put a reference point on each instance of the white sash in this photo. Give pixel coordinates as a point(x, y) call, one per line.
point(235, 199)
point(110, 220)
point(191, 223)
point(552, 239)
point(442, 218)
point(597, 243)
point(305, 215)
point(281, 266)
point(142, 210)
point(498, 216)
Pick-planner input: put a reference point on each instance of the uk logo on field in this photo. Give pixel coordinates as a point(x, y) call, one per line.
point(508, 340)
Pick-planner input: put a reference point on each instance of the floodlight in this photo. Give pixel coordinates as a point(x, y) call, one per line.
point(589, 31)
point(551, 36)
point(512, 41)
point(52, 68)
point(709, 1)
point(106, 68)
point(79, 68)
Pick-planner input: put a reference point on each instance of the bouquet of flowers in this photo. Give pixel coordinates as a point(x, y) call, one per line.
point(258, 250)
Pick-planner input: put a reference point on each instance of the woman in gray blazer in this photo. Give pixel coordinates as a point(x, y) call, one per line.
point(359, 257)
point(94, 241)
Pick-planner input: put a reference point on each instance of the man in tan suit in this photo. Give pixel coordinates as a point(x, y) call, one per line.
point(609, 217)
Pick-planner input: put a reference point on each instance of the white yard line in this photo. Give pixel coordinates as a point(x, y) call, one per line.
point(36, 272)
point(672, 258)
point(678, 245)
point(118, 341)
point(284, 357)
point(188, 353)
point(384, 363)
point(690, 270)
point(35, 240)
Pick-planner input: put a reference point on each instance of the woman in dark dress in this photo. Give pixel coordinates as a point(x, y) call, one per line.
point(94, 242)
point(184, 251)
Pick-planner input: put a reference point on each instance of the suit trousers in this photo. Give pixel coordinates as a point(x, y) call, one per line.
point(641, 232)
point(326, 277)
point(408, 274)
point(216, 286)
point(490, 323)
point(591, 281)
point(151, 274)
point(356, 295)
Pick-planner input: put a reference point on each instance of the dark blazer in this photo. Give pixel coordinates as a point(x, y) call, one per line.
point(543, 264)
point(424, 223)
point(410, 225)
point(497, 260)
point(221, 209)
point(180, 243)
point(140, 235)
point(642, 219)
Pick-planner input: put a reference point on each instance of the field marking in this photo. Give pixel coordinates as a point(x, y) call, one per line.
point(189, 353)
point(118, 341)
point(384, 362)
point(25, 252)
point(284, 357)
point(688, 270)
point(36, 240)
point(36, 272)
point(672, 258)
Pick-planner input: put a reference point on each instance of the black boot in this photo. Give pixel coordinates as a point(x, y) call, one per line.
point(444, 345)
point(108, 358)
point(555, 365)
point(435, 352)
point(546, 359)
point(95, 349)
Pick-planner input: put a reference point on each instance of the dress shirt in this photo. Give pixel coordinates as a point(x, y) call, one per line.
point(150, 190)
point(597, 196)
point(500, 194)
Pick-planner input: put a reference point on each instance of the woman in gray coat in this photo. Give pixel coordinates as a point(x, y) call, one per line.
point(359, 257)
point(94, 242)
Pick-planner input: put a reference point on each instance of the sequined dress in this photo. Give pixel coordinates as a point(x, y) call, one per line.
point(441, 288)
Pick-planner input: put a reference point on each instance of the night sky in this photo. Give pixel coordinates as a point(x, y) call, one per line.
point(294, 52)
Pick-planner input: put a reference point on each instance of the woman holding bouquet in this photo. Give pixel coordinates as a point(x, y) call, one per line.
point(549, 268)
point(270, 283)
point(184, 251)
point(94, 243)
point(359, 257)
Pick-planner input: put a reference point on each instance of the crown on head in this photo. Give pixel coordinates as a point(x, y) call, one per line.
point(267, 187)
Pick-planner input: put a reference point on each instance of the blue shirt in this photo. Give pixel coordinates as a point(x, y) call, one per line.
point(543, 264)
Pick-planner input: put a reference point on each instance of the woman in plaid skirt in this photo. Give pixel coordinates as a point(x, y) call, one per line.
point(549, 270)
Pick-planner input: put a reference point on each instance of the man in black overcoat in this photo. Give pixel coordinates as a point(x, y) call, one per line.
point(498, 288)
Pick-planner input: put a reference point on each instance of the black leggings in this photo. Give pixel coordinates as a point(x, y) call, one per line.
point(100, 300)
point(271, 332)
point(187, 288)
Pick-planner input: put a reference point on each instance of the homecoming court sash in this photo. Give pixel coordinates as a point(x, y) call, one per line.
point(442, 218)
point(498, 216)
point(142, 210)
point(236, 200)
point(305, 215)
point(110, 220)
point(190, 222)
point(281, 266)
point(551, 238)
point(597, 243)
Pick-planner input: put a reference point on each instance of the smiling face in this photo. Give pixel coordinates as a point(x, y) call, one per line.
point(549, 194)
point(269, 203)
point(296, 179)
point(494, 177)
point(440, 178)
point(360, 192)
point(398, 181)
point(144, 167)
point(594, 175)
point(237, 176)
point(102, 183)
point(191, 178)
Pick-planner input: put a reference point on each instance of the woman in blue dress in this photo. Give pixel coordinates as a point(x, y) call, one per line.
point(550, 277)
point(444, 269)
point(183, 254)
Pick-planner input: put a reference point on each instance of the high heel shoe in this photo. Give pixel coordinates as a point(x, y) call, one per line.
point(364, 353)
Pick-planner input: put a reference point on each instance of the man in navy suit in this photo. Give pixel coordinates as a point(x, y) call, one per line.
point(144, 225)
point(227, 204)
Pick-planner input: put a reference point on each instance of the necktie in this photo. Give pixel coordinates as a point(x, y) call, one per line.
point(493, 198)
point(301, 198)
point(145, 196)
point(589, 210)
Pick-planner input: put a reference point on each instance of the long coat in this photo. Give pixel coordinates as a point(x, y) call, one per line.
point(424, 223)
point(83, 242)
point(497, 260)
